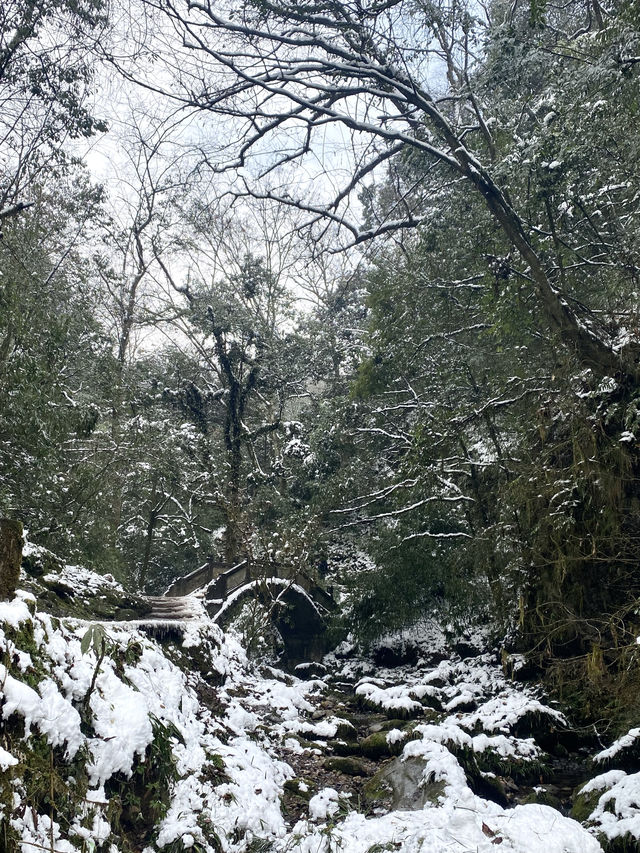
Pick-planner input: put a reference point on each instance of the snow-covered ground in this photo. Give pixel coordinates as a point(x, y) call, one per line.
point(224, 733)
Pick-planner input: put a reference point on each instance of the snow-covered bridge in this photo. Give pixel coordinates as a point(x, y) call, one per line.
point(296, 604)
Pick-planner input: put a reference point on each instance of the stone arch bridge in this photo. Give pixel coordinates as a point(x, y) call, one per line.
point(300, 615)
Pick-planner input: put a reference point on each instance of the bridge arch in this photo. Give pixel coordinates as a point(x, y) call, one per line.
point(300, 622)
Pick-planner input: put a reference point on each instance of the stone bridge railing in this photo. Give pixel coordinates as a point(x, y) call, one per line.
point(222, 580)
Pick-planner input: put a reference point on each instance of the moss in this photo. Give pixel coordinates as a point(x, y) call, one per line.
point(433, 792)
point(584, 804)
point(304, 743)
point(300, 788)
point(543, 798)
point(387, 725)
point(376, 746)
point(342, 747)
point(295, 798)
point(24, 640)
point(345, 730)
point(376, 792)
point(348, 766)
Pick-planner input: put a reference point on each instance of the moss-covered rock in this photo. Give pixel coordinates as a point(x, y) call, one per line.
point(38, 561)
point(543, 797)
point(348, 766)
point(300, 787)
point(400, 785)
point(59, 587)
point(377, 746)
point(345, 730)
point(344, 747)
point(584, 803)
point(377, 793)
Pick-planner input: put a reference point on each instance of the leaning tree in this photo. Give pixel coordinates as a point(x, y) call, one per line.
point(525, 108)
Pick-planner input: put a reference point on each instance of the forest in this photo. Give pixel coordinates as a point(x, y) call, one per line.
point(346, 286)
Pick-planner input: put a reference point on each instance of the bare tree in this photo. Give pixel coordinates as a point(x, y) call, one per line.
point(45, 79)
point(389, 78)
point(138, 242)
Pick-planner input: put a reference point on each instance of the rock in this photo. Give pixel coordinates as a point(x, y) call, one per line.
point(308, 671)
point(11, 543)
point(348, 766)
point(345, 729)
point(295, 798)
point(301, 788)
point(491, 787)
point(398, 654)
point(387, 725)
point(543, 796)
point(376, 746)
point(584, 803)
point(38, 561)
point(399, 785)
point(59, 587)
point(342, 747)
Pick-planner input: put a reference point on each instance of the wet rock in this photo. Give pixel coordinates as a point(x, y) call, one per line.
point(396, 655)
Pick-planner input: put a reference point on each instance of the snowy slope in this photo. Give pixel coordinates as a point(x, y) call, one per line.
point(195, 738)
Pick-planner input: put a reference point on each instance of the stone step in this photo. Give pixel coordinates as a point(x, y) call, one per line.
point(174, 607)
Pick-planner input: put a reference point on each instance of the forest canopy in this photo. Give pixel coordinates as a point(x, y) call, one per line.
point(360, 289)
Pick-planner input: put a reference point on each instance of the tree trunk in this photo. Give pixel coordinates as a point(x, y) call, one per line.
point(233, 539)
point(11, 543)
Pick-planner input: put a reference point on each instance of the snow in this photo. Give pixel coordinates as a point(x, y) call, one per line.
point(395, 736)
point(14, 613)
point(470, 825)
point(324, 805)
point(246, 735)
point(397, 699)
point(507, 709)
point(6, 760)
point(47, 709)
point(617, 812)
point(122, 726)
point(617, 746)
point(256, 584)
